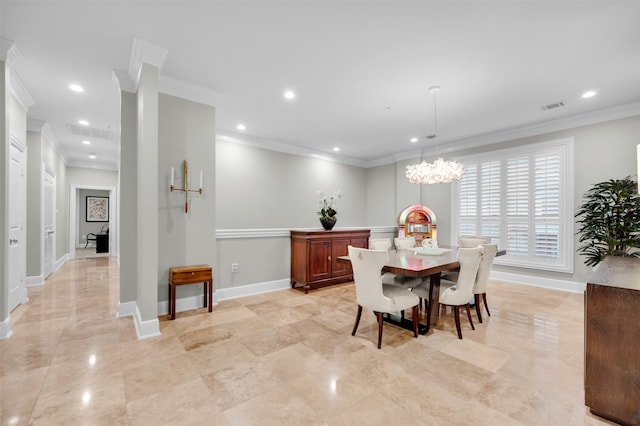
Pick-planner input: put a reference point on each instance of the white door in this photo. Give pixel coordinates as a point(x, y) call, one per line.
point(49, 221)
point(17, 217)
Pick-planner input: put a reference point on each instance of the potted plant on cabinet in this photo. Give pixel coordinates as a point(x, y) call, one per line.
point(610, 220)
point(328, 209)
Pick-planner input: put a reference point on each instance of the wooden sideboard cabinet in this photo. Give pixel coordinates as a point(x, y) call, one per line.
point(612, 341)
point(314, 256)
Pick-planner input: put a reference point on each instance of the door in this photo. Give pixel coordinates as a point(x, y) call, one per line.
point(17, 264)
point(49, 221)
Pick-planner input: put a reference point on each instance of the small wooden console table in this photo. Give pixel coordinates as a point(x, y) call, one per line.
point(182, 275)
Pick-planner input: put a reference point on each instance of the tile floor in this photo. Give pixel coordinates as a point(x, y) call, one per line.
point(286, 358)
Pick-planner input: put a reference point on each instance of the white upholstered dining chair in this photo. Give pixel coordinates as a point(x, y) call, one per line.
point(372, 294)
point(379, 244)
point(472, 240)
point(404, 243)
point(457, 294)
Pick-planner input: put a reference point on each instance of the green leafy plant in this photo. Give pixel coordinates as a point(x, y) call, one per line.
point(328, 205)
point(610, 220)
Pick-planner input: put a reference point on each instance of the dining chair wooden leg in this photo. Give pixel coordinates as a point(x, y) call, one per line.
point(456, 315)
point(380, 321)
point(415, 321)
point(355, 326)
point(468, 308)
point(476, 298)
point(484, 298)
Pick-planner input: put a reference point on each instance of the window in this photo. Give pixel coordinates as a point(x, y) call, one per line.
point(522, 199)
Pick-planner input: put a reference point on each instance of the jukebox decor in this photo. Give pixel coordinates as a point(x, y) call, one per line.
point(420, 222)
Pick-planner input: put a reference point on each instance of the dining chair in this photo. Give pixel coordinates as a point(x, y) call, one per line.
point(403, 243)
point(372, 294)
point(472, 240)
point(391, 278)
point(458, 294)
point(379, 243)
point(489, 252)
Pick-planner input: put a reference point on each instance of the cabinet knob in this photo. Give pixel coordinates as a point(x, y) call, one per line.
point(329, 258)
point(193, 273)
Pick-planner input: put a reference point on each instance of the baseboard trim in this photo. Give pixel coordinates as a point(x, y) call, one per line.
point(551, 283)
point(144, 329)
point(195, 302)
point(5, 328)
point(34, 281)
point(62, 261)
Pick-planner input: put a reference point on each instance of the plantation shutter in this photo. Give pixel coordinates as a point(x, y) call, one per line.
point(515, 196)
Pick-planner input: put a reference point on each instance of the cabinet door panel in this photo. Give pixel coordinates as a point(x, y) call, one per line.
point(340, 248)
point(319, 260)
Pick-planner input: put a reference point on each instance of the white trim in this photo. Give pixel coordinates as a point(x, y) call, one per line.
point(145, 329)
point(251, 289)
point(144, 52)
point(9, 51)
point(223, 234)
point(191, 92)
point(17, 89)
point(35, 281)
point(61, 261)
point(552, 283)
point(123, 81)
point(126, 309)
point(5, 328)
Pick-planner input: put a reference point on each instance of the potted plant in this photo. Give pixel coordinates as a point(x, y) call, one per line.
point(610, 220)
point(328, 208)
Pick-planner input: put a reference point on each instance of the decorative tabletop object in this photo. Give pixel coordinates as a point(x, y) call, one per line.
point(328, 208)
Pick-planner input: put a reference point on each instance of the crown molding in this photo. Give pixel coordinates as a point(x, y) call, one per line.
point(123, 81)
point(272, 145)
point(17, 89)
point(144, 52)
point(9, 51)
point(191, 92)
point(586, 119)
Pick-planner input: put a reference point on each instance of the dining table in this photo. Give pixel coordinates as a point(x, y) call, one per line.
point(422, 263)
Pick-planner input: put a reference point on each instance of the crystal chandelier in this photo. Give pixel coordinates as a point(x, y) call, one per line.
point(440, 171)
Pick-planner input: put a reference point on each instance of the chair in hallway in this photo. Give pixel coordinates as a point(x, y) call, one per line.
point(372, 294)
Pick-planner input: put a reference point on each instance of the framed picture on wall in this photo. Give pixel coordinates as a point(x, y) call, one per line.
point(97, 209)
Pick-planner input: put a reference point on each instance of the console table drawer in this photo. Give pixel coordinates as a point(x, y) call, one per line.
point(190, 276)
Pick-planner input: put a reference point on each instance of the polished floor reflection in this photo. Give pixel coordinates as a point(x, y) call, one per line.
point(287, 358)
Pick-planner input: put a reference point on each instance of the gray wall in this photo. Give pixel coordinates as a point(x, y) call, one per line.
point(34, 203)
point(186, 131)
point(258, 189)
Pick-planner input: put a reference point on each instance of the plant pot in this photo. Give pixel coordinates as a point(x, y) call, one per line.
point(328, 224)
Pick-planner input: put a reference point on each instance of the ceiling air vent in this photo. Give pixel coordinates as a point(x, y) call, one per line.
point(554, 105)
point(90, 132)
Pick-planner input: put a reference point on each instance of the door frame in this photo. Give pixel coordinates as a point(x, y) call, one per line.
point(74, 214)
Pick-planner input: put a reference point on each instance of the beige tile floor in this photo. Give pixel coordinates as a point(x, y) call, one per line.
point(286, 358)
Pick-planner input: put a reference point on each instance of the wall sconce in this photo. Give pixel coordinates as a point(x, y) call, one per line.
point(185, 184)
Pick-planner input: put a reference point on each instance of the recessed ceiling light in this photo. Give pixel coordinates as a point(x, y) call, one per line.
point(414, 140)
point(336, 148)
point(289, 95)
point(92, 156)
point(83, 122)
point(76, 88)
point(86, 142)
point(588, 94)
point(241, 127)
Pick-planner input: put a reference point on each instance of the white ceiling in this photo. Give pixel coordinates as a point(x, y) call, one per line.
point(360, 69)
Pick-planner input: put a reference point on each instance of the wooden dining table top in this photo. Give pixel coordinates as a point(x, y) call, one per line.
point(409, 263)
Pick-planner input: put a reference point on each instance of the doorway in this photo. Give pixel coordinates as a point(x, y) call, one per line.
point(76, 213)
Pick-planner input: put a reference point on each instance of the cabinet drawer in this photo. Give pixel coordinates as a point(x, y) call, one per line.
point(190, 276)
